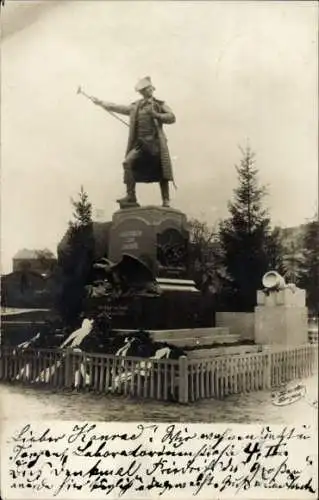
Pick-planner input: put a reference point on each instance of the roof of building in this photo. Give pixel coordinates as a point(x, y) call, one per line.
point(26, 253)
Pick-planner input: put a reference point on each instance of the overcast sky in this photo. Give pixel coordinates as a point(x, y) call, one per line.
point(231, 71)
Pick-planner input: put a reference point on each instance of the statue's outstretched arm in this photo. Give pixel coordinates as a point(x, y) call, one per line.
point(116, 108)
point(166, 115)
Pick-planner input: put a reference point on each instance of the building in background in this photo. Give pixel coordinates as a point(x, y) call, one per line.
point(32, 282)
point(37, 261)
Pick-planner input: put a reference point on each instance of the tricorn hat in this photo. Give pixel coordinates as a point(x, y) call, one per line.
point(143, 83)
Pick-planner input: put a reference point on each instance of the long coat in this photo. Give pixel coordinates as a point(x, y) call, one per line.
point(166, 117)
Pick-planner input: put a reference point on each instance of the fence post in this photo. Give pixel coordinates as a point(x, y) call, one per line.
point(183, 380)
point(267, 368)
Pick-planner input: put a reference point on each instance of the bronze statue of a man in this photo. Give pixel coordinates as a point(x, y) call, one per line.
point(147, 156)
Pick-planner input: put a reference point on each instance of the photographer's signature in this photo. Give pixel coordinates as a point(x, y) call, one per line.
point(292, 393)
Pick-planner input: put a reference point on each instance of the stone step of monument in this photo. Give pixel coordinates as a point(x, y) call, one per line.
point(192, 337)
point(201, 341)
point(223, 351)
point(169, 335)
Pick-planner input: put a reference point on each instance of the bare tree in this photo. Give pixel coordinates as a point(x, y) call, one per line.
point(206, 257)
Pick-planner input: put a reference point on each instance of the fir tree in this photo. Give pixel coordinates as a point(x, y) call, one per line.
point(245, 236)
point(75, 265)
point(82, 214)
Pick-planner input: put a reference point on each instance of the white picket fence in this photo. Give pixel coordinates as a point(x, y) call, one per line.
point(184, 380)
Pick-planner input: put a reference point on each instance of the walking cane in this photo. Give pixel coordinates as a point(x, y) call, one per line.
point(91, 98)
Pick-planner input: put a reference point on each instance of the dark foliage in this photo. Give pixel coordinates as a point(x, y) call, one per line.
point(101, 339)
point(75, 261)
point(309, 278)
point(275, 251)
point(206, 258)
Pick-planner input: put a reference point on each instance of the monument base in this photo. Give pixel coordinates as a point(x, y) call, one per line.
point(158, 236)
point(281, 317)
point(176, 308)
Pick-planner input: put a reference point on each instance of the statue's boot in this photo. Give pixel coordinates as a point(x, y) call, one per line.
point(130, 199)
point(165, 193)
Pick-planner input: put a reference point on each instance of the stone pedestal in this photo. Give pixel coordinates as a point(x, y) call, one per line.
point(281, 317)
point(159, 237)
point(156, 235)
